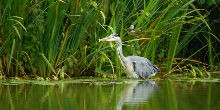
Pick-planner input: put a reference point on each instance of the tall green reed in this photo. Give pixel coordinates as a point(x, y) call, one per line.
point(43, 37)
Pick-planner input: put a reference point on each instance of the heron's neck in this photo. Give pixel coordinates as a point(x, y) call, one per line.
point(120, 54)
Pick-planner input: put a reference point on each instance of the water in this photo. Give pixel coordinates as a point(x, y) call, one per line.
point(110, 95)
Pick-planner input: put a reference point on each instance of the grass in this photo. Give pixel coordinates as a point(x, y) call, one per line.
point(42, 38)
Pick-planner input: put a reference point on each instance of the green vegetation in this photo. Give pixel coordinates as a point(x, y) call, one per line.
point(59, 38)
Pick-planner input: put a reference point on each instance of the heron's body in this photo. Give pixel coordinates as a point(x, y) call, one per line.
point(135, 66)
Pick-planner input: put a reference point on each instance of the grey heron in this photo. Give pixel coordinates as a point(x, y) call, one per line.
point(135, 66)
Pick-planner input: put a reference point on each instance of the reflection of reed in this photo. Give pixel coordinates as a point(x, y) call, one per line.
point(137, 92)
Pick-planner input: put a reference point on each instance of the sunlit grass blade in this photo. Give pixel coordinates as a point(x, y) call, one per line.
point(48, 63)
point(16, 30)
point(11, 54)
point(201, 16)
point(113, 71)
point(173, 46)
point(19, 23)
point(211, 59)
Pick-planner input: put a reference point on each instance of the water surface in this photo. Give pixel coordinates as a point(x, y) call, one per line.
point(110, 95)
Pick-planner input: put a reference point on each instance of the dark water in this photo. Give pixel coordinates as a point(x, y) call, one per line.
point(108, 95)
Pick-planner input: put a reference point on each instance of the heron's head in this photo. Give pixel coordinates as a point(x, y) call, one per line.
point(111, 38)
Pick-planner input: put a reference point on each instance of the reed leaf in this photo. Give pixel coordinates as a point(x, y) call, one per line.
point(19, 23)
point(11, 54)
point(48, 63)
point(17, 32)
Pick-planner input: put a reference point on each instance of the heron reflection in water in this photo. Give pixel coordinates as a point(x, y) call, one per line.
point(135, 66)
point(136, 93)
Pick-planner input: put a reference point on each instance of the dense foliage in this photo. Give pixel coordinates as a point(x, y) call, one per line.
point(59, 38)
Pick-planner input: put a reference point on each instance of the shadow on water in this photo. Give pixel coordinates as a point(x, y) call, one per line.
point(110, 95)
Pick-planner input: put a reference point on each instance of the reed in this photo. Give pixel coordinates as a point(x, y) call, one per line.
point(40, 38)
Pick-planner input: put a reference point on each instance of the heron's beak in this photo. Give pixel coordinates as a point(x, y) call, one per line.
point(103, 39)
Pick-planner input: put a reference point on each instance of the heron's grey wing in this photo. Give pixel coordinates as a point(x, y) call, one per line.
point(142, 66)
